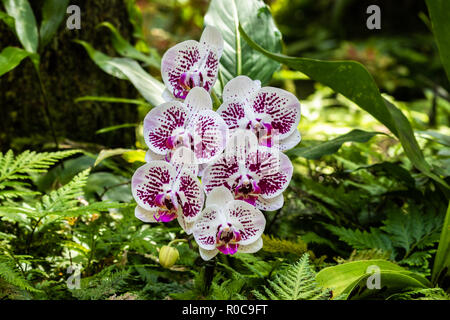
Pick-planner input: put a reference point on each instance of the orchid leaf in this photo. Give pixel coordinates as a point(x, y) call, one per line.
point(53, 13)
point(10, 58)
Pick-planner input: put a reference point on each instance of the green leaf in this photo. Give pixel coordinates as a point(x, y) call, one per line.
point(127, 50)
point(150, 88)
point(107, 153)
point(111, 100)
point(344, 278)
point(10, 58)
point(113, 128)
point(238, 57)
point(25, 23)
point(332, 146)
point(53, 13)
point(125, 68)
point(352, 80)
point(101, 60)
point(440, 16)
point(441, 267)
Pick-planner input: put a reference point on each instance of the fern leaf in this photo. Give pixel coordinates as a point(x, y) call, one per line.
point(9, 272)
point(296, 282)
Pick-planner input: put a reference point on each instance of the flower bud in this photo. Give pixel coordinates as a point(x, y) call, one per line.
point(168, 256)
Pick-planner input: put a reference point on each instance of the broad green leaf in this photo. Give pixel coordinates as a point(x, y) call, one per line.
point(392, 170)
point(331, 146)
point(134, 156)
point(440, 16)
point(101, 60)
point(238, 57)
point(111, 100)
point(150, 88)
point(25, 23)
point(124, 48)
point(441, 267)
point(343, 278)
point(53, 13)
point(10, 58)
point(113, 128)
point(352, 80)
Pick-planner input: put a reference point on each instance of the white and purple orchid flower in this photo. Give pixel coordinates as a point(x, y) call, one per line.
point(257, 174)
point(166, 191)
point(271, 113)
point(192, 64)
point(192, 124)
point(228, 226)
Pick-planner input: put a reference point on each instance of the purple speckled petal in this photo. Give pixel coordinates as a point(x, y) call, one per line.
point(222, 172)
point(279, 107)
point(246, 219)
point(232, 113)
point(290, 142)
point(205, 228)
point(240, 89)
point(190, 194)
point(271, 204)
point(150, 180)
point(145, 215)
point(273, 168)
point(182, 58)
point(252, 247)
point(208, 254)
point(188, 227)
point(160, 124)
point(198, 100)
point(210, 133)
point(229, 248)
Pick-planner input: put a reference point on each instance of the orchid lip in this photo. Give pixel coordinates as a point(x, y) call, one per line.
point(189, 80)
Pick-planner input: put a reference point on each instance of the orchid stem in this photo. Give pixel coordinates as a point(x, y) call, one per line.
point(176, 240)
point(216, 100)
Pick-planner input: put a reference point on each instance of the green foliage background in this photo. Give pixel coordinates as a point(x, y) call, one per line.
point(371, 176)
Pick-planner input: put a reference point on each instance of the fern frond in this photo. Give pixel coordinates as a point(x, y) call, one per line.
point(29, 161)
point(9, 272)
point(296, 282)
point(65, 197)
point(422, 294)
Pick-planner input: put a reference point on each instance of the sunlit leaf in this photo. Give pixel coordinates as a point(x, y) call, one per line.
point(53, 13)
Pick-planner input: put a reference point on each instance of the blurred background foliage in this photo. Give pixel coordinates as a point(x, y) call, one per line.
point(365, 201)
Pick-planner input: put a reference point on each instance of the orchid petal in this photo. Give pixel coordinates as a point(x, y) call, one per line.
point(232, 113)
point(160, 124)
point(252, 247)
point(240, 89)
point(145, 215)
point(219, 197)
point(152, 156)
point(212, 39)
point(190, 194)
point(208, 254)
point(186, 226)
point(209, 132)
point(247, 220)
point(281, 108)
point(291, 141)
point(149, 180)
point(222, 172)
point(184, 158)
point(205, 228)
point(197, 100)
point(179, 59)
point(271, 204)
point(273, 168)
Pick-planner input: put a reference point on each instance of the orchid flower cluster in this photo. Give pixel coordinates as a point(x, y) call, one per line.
point(236, 151)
